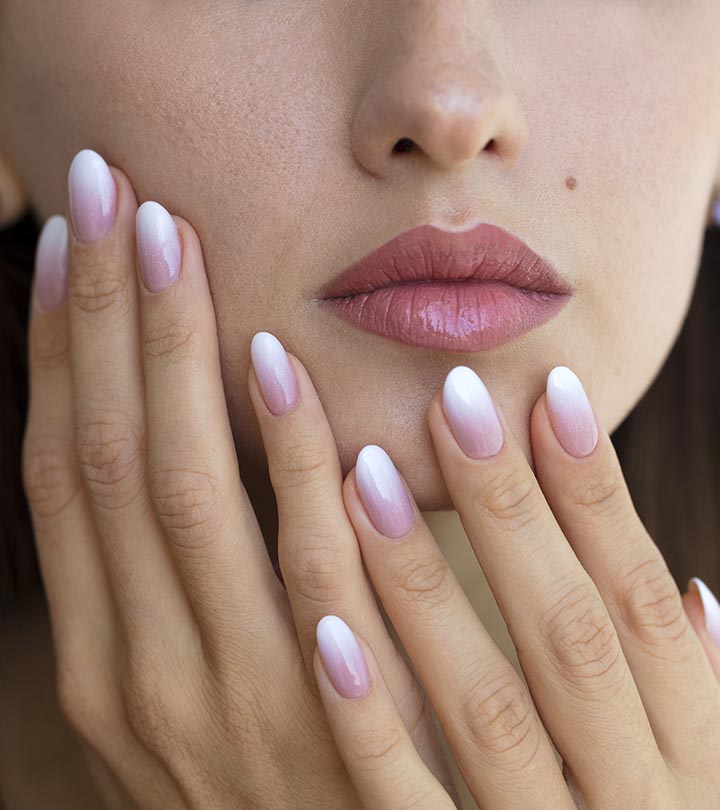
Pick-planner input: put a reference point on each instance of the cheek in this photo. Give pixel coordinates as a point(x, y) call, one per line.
point(630, 112)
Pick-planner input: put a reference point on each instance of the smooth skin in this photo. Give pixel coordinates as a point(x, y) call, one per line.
point(192, 675)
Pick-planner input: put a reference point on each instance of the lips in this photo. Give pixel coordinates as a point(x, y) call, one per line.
point(456, 291)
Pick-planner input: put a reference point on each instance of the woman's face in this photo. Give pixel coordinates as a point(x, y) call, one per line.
point(270, 127)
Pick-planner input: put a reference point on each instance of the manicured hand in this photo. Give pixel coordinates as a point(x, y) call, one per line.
point(183, 664)
point(622, 681)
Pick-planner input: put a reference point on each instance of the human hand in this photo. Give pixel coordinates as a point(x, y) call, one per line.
point(182, 663)
point(623, 674)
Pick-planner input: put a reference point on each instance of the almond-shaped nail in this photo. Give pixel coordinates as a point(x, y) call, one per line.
point(274, 373)
point(93, 196)
point(711, 608)
point(51, 263)
point(158, 246)
point(342, 657)
point(570, 412)
point(471, 414)
point(382, 492)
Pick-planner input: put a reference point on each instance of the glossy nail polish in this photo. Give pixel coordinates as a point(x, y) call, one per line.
point(342, 657)
point(382, 492)
point(711, 608)
point(274, 373)
point(471, 414)
point(571, 415)
point(51, 263)
point(93, 196)
point(158, 246)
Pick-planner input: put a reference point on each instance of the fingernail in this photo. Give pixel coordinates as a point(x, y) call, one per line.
point(158, 246)
point(571, 415)
point(275, 375)
point(342, 657)
point(471, 414)
point(51, 263)
point(711, 608)
point(93, 196)
point(382, 492)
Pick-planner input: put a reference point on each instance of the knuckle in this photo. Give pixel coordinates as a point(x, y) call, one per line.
point(302, 463)
point(98, 290)
point(499, 715)
point(110, 455)
point(600, 495)
point(85, 709)
point(423, 585)
point(511, 498)
point(318, 573)
point(651, 603)
point(379, 748)
point(47, 474)
point(49, 349)
point(178, 339)
point(244, 711)
point(187, 502)
point(583, 641)
point(157, 707)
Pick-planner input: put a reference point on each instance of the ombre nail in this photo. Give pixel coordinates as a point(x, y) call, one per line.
point(711, 608)
point(93, 196)
point(382, 492)
point(571, 415)
point(471, 414)
point(342, 657)
point(51, 263)
point(275, 375)
point(158, 246)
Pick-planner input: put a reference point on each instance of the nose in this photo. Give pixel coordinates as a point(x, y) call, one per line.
point(437, 91)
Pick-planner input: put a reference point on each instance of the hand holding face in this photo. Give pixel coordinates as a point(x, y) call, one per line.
point(193, 675)
point(182, 662)
point(617, 676)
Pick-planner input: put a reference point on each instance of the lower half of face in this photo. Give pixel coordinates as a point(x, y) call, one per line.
point(271, 130)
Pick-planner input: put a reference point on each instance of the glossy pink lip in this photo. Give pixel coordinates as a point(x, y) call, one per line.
point(458, 291)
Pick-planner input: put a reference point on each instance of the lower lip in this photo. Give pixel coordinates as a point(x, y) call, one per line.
point(460, 316)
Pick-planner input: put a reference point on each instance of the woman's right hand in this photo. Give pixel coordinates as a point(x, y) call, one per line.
point(182, 663)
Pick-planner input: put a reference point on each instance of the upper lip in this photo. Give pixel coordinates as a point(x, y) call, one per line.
point(427, 253)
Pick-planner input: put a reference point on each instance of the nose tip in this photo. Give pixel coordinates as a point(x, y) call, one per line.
point(439, 98)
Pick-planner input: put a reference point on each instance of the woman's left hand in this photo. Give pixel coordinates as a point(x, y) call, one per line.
point(623, 675)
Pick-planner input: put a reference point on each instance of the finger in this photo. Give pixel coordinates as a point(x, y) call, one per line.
point(82, 612)
point(317, 547)
point(73, 573)
point(703, 610)
point(373, 742)
point(193, 472)
point(483, 705)
point(109, 410)
point(567, 645)
point(586, 490)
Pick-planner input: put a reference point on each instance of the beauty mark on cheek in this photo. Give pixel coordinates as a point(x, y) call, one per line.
point(570, 182)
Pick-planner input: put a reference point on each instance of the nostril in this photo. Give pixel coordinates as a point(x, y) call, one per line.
point(404, 145)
